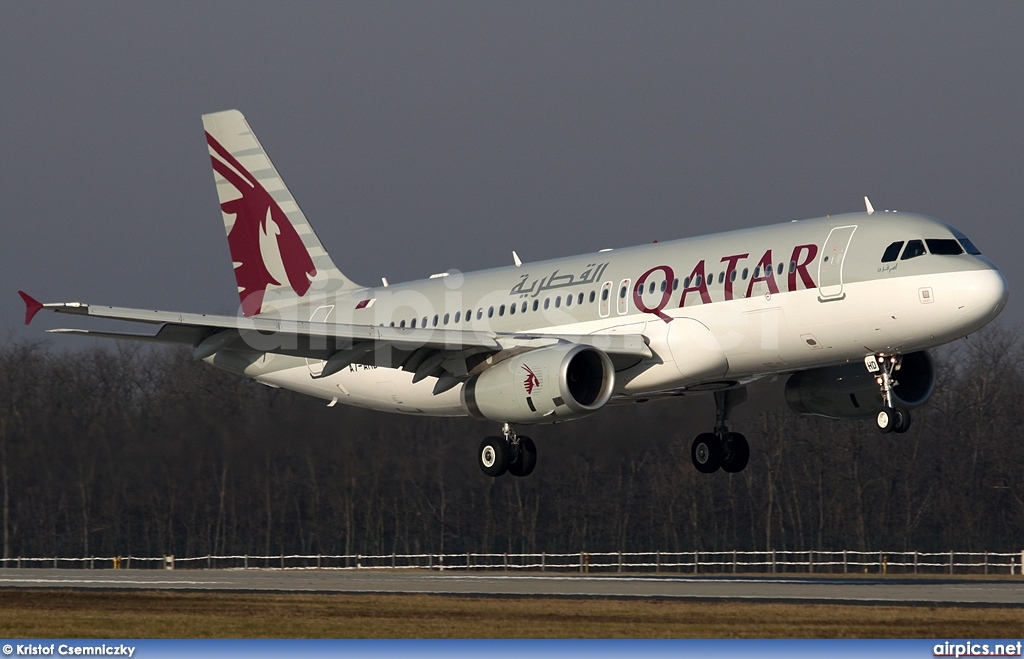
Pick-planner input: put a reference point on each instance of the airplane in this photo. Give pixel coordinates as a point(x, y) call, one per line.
point(846, 306)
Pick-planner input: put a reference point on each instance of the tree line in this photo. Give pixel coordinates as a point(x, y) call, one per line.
point(140, 451)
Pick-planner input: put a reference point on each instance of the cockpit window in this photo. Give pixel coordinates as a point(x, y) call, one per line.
point(969, 247)
point(945, 246)
point(892, 252)
point(914, 249)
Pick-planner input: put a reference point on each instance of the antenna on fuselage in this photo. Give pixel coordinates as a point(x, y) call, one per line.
point(867, 205)
point(515, 257)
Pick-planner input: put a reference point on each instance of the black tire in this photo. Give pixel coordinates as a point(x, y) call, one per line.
point(737, 455)
point(885, 419)
point(902, 420)
point(523, 465)
point(493, 456)
point(706, 453)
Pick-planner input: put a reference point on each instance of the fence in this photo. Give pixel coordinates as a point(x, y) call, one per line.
point(693, 562)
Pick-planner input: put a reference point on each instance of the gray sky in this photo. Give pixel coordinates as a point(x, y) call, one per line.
point(419, 137)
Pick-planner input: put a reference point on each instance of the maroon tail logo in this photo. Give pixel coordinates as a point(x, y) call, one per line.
point(532, 381)
point(257, 216)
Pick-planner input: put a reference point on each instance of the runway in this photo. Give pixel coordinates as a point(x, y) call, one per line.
point(824, 589)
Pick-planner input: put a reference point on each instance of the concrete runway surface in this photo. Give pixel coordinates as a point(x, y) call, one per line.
point(824, 589)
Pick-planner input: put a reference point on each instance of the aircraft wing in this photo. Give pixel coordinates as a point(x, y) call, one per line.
point(442, 353)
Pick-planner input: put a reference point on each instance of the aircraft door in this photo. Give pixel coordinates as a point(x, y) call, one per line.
point(604, 301)
point(622, 295)
point(320, 315)
point(830, 265)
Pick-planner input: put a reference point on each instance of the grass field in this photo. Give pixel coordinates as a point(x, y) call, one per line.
point(130, 614)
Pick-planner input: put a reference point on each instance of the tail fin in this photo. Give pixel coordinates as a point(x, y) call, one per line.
point(272, 245)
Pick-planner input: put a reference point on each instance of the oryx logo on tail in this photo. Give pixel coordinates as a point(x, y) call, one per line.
point(264, 245)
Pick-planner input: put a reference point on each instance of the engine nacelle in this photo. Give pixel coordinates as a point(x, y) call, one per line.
point(541, 386)
point(849, 391)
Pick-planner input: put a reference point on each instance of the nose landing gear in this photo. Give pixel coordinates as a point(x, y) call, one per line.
point(892, 417)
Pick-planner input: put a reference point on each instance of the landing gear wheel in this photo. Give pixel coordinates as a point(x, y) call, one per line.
point(736, 454)
point(885, 419)
point(526, 460)
point(706, 453)
point(902, 420)
point(494, 456)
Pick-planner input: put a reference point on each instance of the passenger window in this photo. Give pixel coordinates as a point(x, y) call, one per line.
point(568, 300)
point(580, 300)
point(402, 325)
point(511, 309)
point(604, 294)
point(892, 252)
point(547, 302)
point(697, 281)
point(501, 310)
point(746, 271)
point(458, 317)
point(721, 277)
point(732, 276)
point(425, 321)
point(675, 284)
point(780, 269)
point(792, 267)
point(536, 303)
point(686, 283)
point(593, 296)
point(944, 246)
point(446, 317)
point(523, 310)
point(490, 312)
point(664, 285)
point(914, 249)
point(622, 293)
point(480, 313)
point(558, 301)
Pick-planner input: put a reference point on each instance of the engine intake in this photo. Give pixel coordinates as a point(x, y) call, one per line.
point(849, 391)
point(561, 382)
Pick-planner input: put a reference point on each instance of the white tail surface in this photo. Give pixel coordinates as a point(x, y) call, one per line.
point(277, 256)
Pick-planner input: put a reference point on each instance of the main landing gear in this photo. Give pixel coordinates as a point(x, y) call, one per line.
point(891, 417)
point(721, 448)
point(513, 453)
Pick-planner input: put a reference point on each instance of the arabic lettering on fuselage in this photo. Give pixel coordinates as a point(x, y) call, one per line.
point(555, 280)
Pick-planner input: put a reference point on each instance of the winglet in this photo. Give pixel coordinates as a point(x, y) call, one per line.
point(32, 306)
point(867, 206)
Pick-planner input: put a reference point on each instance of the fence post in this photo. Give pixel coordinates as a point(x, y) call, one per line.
point(543, 555)
point(506, 563)
point(318, 561)
point(951, 562)
point(810, 561)
point(92, 562)
point(986, 562)
point(468, 565)
point(620, 560)
point(696, 562)
point(392, 559)
point(773, 561)
point(734, 561)
point(844, 561)
point(915, 561)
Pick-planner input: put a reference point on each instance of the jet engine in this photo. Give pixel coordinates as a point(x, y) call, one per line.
point(556, 383)
point(849, 391)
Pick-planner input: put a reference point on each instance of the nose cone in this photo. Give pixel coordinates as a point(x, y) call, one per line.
point(985, 295)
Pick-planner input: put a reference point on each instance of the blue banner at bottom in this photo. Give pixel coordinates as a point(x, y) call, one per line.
point(511, 649)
